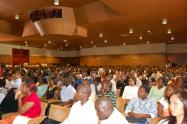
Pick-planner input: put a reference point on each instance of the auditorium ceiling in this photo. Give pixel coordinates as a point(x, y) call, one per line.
point(108, 23)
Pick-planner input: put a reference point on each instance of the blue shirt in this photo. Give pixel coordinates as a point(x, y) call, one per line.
point(146, 106)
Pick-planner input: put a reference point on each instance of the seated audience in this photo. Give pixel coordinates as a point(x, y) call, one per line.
point(17, 80)
point(28, 102)
point(9, 81)
point(157, 92)
point(107, 114)
point(107, 91)
point(163, 104)
point(179, 82)
point(142, 108)
point(178, 109)
point(83, 111)
point(67, 92)
point(93, 94)
point(130, 91)
point(41, 87)
point(51, 89)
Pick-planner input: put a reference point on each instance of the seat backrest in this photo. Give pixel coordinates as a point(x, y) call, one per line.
point(120, 105)
point(43, 106)
point(58, 113)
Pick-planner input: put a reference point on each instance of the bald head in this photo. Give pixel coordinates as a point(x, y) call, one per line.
point(104, 107)
point(84, 89)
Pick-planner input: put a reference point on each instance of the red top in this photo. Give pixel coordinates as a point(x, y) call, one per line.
point(35, 110)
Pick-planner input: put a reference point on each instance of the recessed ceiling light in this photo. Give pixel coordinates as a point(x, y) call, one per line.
point(164, 21)
point(140, 37)
point(100, 35)
point(92, 42)
point(124, 44)
point(131, 31)
point(124, 35)
point(172, 38)
point(49, 41)
point(45, 45)
point(169, 31)
point(56, 2)
point(148, 42)
point(105, 41)
point(26, 42)
point(17, 16)
point(170, 41)
point(65, 41)
point(66, 45)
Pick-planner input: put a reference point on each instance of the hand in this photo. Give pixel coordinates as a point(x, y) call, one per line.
point(20, 96)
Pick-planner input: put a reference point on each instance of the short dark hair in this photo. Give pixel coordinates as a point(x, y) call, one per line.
point(146, 88)
point(29, 83)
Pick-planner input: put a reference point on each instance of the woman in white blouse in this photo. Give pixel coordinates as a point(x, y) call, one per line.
point(130, 91)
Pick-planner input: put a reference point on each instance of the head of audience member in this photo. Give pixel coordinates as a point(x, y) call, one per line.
point(104, 107)
point(28, 86)
point(132, 81)
point(143, 91)
point(170, 89)
point(66, 81)
point(9, 77)
point(161, 82)
point(40, 80)
point(83, 93)
point(107, 86)
point(178, 107)
point(17, 75)
point(179, 82)
point(51, 81)
point(97, 80)
point(86, 82)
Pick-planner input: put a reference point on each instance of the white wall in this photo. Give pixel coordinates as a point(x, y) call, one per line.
point(6, 49)
point(177, 48)
point(129, 49)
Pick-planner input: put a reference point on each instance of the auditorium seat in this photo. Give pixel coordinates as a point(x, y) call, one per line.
point(120, 105)
point(58, 113)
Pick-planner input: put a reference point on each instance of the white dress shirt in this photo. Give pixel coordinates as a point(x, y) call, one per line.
point(2, 96)
point(130, 92)
point(9, 84)
point(115, 118)
point(82, 114)
point(67, 93)
point(17, 83)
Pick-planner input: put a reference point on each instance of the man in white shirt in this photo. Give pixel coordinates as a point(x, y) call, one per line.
point(17, 81)
point(67, 92)
point(83, 111)
point(107, 113)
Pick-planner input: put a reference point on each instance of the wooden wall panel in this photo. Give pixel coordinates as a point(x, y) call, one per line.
point(54, 60)
point(134, 59)
point(6, 59)
point(178, 58)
